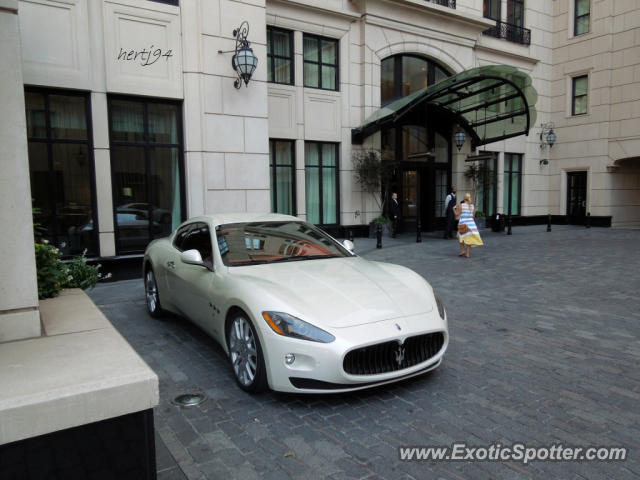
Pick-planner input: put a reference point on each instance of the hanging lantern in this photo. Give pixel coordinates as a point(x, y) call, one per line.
point(244, 63)
point(459, 138)
point(551, 138)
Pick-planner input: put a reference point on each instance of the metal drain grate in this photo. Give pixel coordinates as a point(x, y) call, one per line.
point(189, 399)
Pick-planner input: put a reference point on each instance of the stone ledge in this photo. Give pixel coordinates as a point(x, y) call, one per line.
point(84, 373)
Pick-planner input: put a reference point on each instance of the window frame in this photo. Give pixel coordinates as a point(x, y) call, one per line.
point(320, 166)
point(397, 74)
point(492, 193)
point(576, 17)
point(488, 4)
point(512, 8)
point(320, 63)
point(273, 168)
point(574, 97)
point(147, 145)
point(49, 141)
point(508, 173)
point(271, 57)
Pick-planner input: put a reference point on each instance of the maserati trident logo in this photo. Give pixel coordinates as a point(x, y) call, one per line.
point(399, 355)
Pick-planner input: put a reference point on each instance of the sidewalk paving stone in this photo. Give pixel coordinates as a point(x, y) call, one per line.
point(545, 347)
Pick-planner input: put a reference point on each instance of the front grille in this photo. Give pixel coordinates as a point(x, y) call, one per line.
point(391, 356)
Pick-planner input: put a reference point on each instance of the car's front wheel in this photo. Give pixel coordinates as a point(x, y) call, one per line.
point(245, 353)
point(153, 297)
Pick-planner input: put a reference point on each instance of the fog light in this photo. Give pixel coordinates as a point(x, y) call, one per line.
point(289, 358)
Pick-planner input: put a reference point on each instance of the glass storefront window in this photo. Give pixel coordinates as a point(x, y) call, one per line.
point(147, 171)
point(61, 168)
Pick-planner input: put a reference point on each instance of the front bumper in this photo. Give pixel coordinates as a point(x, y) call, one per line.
point(318, 367)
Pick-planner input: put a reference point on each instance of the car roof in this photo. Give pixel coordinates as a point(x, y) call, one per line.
point(243, 217)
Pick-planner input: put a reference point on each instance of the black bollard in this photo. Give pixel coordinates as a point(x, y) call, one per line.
point(350, 235)
point(379, 236)
point(549, 223)
point(418, 232)
point(588, 220)
point(509, 225)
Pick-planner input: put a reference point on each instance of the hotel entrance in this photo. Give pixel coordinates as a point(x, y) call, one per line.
point(424, 175)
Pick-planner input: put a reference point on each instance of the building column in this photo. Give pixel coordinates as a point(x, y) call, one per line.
point(19, 315)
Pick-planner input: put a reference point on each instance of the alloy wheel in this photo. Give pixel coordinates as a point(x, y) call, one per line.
point(152, 292)
point(244, 354)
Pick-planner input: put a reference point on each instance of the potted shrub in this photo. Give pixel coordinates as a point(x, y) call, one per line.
point(374, 171)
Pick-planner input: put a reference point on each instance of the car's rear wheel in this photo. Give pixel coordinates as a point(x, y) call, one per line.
point(245, 353)
point(153, 297)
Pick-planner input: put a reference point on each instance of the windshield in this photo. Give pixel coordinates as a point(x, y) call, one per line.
point(270, 242)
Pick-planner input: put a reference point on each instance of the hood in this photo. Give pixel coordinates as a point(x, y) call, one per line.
point(341, 292)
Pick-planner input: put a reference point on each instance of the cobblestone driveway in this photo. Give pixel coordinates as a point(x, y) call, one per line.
point(545, 347)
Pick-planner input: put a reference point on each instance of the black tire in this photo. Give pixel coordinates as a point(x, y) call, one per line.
point(152, 295)
point(245, 354)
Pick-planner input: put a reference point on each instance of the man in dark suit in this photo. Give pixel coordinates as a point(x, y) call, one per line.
point(395, 213)
point(450, 202)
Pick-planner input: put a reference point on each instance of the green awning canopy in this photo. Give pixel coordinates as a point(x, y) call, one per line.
point(491, 103)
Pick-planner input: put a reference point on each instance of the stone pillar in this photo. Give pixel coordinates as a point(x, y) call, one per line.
point(19, 316)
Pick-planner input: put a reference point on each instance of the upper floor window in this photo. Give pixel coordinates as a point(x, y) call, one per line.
point(579, 95)
point(582, 14)
point(280, 56)
point(404, 74)
point(491, 9)
point(320, 62)
point(515, 12)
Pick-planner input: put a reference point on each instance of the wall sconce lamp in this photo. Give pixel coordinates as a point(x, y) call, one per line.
point(547, 135)
point(544, 161)
point(244, 61)
point(459, 138)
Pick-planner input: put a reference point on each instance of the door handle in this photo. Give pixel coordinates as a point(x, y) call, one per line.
point(171, 265)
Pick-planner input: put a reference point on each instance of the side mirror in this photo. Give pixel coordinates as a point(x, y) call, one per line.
point(348, 244)
point(192, 257)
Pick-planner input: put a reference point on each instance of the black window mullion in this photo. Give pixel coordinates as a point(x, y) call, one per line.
point(320, 183)
point(318, 47)
point(92, 174)
point(274, 176)
point(147, 165)
point(53, 209)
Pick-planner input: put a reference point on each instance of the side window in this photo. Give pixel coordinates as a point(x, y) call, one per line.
point(180, 236)
point(199, 238)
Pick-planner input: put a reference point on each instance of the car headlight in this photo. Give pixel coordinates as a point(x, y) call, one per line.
point(439, 304)
point(290, 326)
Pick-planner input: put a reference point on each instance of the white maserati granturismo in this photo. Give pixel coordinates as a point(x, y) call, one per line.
point(294, 309)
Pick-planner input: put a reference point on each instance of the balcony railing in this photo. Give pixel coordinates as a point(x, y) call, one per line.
point(444, 3)
point(510, 32)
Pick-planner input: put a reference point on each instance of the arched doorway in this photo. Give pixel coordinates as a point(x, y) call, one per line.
point(420, 144)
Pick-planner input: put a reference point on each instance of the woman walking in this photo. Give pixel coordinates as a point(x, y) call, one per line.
point(467, 230)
